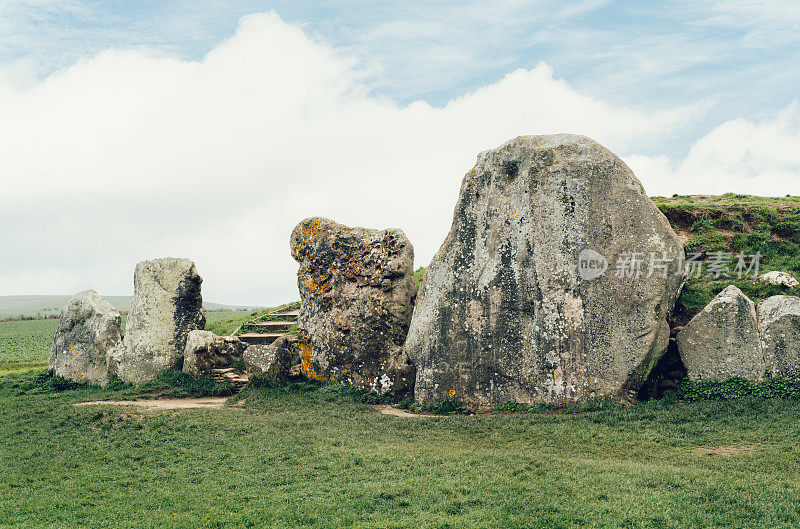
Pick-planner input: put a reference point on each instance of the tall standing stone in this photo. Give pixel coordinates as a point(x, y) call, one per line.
point(166, 305)
point(722, 340)
point(779, 326)
point(89, 330)
point(524, 301)
point(356, 289)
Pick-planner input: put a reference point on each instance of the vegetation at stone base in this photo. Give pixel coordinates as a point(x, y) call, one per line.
point(737, 388)
point(733, 223)
point(171, 383)
point(544, 407)
point(300, 456)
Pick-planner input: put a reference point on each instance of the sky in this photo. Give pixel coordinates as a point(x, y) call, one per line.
point(207, 129)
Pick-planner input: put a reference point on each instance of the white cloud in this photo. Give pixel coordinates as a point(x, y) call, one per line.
point(741, 156)
point(127, 156)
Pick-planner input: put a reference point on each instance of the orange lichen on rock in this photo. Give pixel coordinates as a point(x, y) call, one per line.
point(305, 362)
point(356, 287)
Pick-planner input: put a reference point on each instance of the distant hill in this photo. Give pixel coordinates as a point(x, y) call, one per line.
point(42, 306)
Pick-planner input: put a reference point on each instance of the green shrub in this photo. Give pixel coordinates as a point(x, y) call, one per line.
point(736, 388)
point(48, 381)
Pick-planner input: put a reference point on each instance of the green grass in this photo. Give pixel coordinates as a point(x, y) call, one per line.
point(26, 341)
point(224, 323)
point(313, 456)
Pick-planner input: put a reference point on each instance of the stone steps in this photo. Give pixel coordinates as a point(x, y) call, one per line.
point(263, 331)
point(238, 380)
point(274, 326)
point(258, 338)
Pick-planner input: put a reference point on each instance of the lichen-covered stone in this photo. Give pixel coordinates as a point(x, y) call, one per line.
point(271, 362)
point(167, 304)
point(523, 301)
point(206, 351)
point(89, 330)
point(779, 327)
point(356, 289)
point(782, 279)
point(722, 340)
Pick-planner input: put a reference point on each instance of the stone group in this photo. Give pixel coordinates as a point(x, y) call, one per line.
point(503, 313)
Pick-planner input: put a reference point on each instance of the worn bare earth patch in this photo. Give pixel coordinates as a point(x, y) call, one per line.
point(396, 412)
point(163, 404)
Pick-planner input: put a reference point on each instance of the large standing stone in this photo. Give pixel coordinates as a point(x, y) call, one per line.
point(518, 304)
point(89, 330)
point(357, 289)
point(722, 340)
point(206, 351)
point(166, 305)
point(779, 326)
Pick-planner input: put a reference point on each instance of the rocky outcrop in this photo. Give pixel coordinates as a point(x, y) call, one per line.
point(543, 290)
point(271, 362)
point(782, 279)
point(779, 327)
point(206, 351)
point(89, 330)
point(167, 305)
point(356, 289)
point(722, 340)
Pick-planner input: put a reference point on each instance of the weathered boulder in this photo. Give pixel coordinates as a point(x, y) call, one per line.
point(779, 327)
point(272, 362)
point(166, 305)
point(89, 330)
point(782, 279)
point(357, 290)
point(520, 304)
point(206, 351)
point(722, 340)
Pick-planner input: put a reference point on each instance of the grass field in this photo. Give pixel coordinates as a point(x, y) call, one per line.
point(314, 457)
point(26, 341)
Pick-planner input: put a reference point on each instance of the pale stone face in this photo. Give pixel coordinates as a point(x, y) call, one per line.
point(722, 340)
point(522, 302)
point(779, 326)
point(89, 331)
point(357, 289)
point(206, 351)
point(167, 304)
point(271, 362)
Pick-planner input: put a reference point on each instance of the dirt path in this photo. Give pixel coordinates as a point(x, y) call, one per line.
point(165, 404)
point(396, 412)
